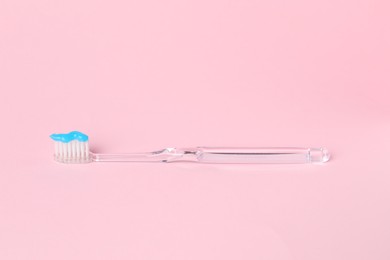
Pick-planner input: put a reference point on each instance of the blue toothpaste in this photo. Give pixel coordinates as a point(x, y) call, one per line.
point(66, 138)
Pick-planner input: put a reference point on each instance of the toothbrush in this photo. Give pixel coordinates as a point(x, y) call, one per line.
point(73, 148)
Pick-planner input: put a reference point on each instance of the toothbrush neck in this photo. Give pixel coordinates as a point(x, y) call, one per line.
point(165, 155)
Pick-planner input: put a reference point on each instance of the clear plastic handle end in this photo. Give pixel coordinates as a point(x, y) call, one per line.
point(319, 155)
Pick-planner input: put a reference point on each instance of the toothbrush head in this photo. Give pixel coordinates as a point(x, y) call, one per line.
point(71, 148)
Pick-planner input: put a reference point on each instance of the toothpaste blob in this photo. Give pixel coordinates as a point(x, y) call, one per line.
point(66, 138)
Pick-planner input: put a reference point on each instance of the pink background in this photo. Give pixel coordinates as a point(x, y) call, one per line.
point(144, 75)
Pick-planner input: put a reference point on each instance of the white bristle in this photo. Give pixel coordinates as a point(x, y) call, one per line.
point(86, 149)
point(64, 150)
point(69, 149)
point(74, 149)
point(82, 150)
point(61, 149)
point(77, 150)
point(72, 152)
point(56, 148)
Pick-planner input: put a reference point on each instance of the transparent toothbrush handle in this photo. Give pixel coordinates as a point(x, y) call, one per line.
point(262, 155)
point(222, 155)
